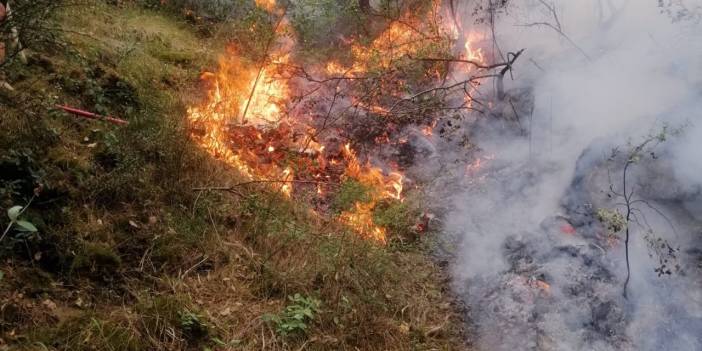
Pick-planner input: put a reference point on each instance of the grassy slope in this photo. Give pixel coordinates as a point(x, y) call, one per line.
point(129, 258)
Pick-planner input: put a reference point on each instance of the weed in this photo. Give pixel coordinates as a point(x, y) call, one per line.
point(192, 325)
point(296, 316)
point(23, 225)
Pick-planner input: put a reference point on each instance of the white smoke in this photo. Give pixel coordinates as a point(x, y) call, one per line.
point(620, 69)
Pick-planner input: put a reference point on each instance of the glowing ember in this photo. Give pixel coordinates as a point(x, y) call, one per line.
point(541, 285)
point(567, 229)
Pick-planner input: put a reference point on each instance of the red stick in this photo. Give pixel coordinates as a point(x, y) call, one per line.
point(90, 115)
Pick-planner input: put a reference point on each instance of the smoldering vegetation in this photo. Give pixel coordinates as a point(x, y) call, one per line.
point(537, 219)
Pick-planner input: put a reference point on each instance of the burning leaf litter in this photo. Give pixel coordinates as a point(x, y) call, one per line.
point(248, 122)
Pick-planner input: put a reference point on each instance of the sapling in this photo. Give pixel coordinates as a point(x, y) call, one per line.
point(629, 199)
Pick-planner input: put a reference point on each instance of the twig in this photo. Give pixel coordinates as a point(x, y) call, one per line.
point(232, 187)
point(263, 65)
point(195, 266)
point(549, 25)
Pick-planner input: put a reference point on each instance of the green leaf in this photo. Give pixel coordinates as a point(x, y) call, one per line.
point(14, 212)
point(2, 275)
point(26, 226)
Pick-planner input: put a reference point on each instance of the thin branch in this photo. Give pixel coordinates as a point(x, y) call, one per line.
point(549, 25)
point(232, 187)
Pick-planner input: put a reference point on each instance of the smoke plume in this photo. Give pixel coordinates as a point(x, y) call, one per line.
point(534, 262)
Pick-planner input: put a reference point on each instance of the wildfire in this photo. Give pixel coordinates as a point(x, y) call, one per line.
point(382, 187)
point(397, 41)
point(239, 94)
point(471, 53)
point(361, 219)
point(268, 5)
point(247, 120)
point(244, 124)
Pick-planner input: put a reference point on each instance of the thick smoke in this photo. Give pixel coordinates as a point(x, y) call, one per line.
point(621, 70)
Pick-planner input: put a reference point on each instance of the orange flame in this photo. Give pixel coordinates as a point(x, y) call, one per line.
point(361, 216)
point(268, 5)
point(471, 53)
point(236, 88)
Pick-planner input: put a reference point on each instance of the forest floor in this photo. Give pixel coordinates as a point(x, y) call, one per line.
point(129, 257)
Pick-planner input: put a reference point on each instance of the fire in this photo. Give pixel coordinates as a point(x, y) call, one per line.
point(568, 229)
point(471, 53)
point(267, 95)
point(396, 185)
point(473, 168)
point(244, 123)
point(335, 68)
point(268, 5)
point(396, 42)
point(238, 95)
point(287, 187)
point(361, 219)
point(382, 187)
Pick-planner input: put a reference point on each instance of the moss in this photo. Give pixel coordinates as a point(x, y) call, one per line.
point(98, 260)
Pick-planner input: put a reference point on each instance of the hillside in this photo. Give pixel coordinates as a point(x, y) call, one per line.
point(130, 255)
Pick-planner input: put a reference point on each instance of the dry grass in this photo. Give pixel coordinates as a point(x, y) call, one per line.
point(129, 258)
